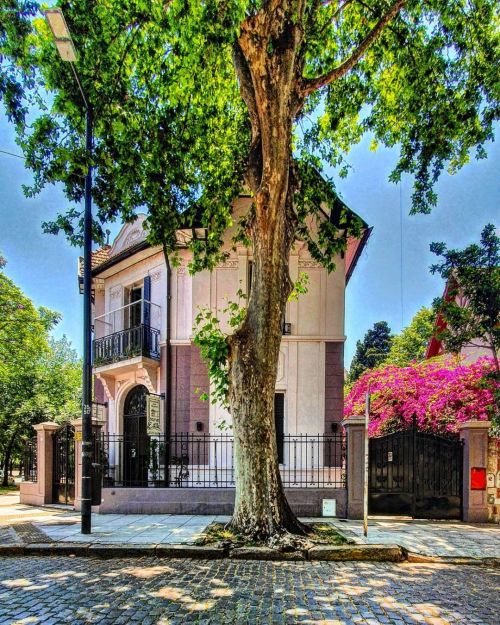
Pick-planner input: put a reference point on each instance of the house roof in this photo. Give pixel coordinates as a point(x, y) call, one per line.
point(99, 256)
point(129, 243)
point(353, 252)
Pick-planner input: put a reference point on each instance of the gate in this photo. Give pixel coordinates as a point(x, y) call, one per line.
point(416, 474)
point(63, 472)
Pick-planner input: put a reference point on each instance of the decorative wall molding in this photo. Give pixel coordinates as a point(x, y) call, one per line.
point(130, 234)
point(115, 292)
point(229, 263)
point(147, 375)
point(156, 276)
point(309, 263)
point(109, 386)
point(132, 238)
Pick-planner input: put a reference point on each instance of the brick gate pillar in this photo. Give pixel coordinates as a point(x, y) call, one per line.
point(355, 430)
point(475, 437)
point(40, 492)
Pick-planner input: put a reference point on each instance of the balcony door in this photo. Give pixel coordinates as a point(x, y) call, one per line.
point(135, 439)
point(133, 311)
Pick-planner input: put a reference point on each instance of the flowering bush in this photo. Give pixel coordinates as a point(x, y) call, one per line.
point(440, 393)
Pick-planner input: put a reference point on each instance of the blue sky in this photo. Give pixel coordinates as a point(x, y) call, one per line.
point(45, 266)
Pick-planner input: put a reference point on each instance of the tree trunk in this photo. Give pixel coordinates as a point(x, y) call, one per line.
point(6, 460)
point(267, 63)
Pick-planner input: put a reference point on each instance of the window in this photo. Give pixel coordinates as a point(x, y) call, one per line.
point(249, 276)
point(279, 423)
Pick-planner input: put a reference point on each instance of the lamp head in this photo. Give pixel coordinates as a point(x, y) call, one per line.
point(62, 35)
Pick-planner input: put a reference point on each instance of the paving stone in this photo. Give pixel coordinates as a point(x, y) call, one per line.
point(157, 591)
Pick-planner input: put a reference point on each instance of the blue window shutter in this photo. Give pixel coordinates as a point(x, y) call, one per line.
point(146, 298)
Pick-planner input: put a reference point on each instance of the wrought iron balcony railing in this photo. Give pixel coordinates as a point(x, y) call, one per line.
point(140, 340)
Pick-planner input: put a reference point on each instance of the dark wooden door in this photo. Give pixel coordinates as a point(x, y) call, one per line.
point(135, 438)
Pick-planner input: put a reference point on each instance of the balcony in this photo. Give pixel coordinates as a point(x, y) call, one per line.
point(127, 332)
point(140, 340)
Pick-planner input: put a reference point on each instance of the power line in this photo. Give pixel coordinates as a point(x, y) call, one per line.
point(22, 158)
point(401, 251)
point(12, 154)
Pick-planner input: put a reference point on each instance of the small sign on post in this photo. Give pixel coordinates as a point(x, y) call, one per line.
point(153, 412)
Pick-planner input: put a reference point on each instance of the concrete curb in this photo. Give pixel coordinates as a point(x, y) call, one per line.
point(319, 553)
point(375, 553)
point(372, 553)
point(418, 558)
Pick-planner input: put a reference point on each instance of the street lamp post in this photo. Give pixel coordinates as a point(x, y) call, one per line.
point(67, 52)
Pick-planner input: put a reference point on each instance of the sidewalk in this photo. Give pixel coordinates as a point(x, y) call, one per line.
point(428, 538)
point(28, 524)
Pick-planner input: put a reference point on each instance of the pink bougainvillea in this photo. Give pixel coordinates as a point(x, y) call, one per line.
point(440, 393)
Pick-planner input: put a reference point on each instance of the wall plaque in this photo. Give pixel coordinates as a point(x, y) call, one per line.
point(153, 412)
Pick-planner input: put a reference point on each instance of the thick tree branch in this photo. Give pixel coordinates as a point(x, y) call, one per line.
point(254, 169)
point(309, 85)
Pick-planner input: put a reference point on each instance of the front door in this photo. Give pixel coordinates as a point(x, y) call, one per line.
point(135, 438)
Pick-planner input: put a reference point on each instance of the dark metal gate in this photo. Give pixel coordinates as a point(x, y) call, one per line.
point(416, 474)
point(63, 475)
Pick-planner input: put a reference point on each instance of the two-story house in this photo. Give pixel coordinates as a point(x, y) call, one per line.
point(143, 317)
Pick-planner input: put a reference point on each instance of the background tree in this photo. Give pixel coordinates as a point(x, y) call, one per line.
point(371, 351)
point(471, 309)
point(40, 378)
point(194, 101)
point(411, 344)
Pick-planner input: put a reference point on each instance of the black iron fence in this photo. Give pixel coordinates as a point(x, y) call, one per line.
point(141, 340)
point(30, 460)
point(207, 461)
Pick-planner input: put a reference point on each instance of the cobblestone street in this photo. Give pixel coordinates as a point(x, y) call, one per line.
point(53, 590)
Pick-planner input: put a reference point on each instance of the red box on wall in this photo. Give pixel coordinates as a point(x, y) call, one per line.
point(477, 478)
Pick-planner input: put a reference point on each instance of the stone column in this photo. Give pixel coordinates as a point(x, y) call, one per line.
point(475, 437)
point(40, 492)
point(355, 429)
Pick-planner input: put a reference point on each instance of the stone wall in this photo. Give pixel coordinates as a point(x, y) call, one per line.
point(494, 480)
point(303, 501)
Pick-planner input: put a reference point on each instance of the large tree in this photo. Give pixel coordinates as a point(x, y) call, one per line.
point(411, 344)
point(371, 351)
point(194, 101)
point(40, 377)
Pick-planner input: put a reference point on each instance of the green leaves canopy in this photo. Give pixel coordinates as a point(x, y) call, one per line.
point(411, 344)
point(371, 351)
point(471, 307)
point(40, 378)
point(172, 132)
